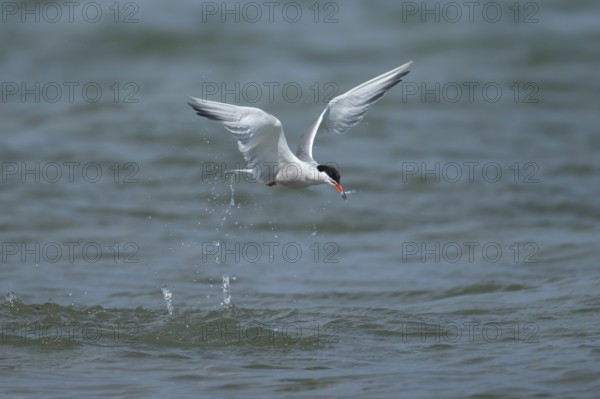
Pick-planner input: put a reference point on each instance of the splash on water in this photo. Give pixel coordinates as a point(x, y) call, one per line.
point(226, 292)
point(11, 298)
point(168, 295)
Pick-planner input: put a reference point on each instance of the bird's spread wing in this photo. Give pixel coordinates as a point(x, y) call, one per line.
point(346, 110)
point(260, 136)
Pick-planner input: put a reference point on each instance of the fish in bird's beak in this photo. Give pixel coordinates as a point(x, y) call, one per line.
point(339, 188)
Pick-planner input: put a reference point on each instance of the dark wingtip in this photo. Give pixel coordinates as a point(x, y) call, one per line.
point(399, 78)
point(205, 113)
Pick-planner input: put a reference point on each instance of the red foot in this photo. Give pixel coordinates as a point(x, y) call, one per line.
point(271, 183)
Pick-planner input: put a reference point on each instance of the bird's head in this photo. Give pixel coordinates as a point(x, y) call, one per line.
point(330, 175)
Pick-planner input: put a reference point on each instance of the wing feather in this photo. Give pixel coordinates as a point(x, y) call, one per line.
point(260, 136)
point(347, 110)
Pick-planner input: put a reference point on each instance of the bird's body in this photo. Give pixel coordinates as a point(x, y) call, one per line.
point(262, 141)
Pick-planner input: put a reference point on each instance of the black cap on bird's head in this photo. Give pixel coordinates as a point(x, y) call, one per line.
point(334, 174)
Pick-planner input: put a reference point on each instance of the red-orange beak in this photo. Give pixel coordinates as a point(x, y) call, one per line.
point(339, 188)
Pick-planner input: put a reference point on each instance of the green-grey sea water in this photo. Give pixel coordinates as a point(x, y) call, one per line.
point(463, 264)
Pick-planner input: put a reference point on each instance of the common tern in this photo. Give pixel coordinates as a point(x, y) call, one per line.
point(262, 142)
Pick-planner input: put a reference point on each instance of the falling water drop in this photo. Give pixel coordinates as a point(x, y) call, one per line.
point(228, 211)
point(231, 201)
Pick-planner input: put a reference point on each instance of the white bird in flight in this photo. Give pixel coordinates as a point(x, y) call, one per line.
point(262, 142)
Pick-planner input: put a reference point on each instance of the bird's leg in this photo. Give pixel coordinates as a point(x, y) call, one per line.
point(271, 183)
